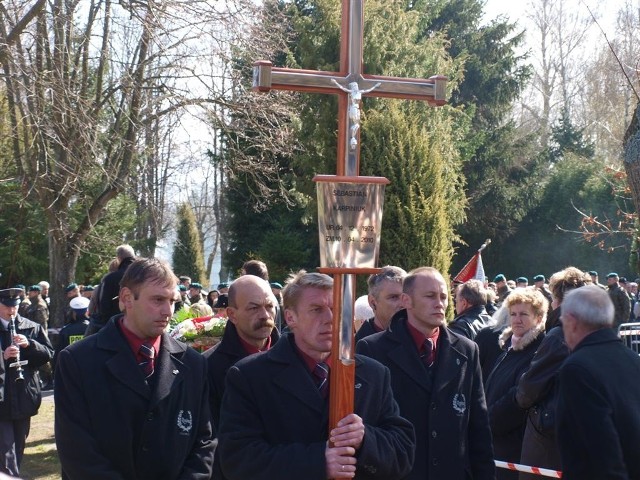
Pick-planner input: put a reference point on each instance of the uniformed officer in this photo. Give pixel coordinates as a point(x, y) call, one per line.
point(20, 393)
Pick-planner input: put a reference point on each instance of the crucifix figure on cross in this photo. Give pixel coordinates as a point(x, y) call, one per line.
point(350, 84)
point(355, 97)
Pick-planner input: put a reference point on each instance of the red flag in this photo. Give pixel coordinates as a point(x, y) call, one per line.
point(473, 270)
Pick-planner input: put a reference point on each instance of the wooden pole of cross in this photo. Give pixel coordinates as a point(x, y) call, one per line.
point(351, 84)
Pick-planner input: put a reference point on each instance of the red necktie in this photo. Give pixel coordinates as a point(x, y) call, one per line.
point(427, 352)
point(148, 354)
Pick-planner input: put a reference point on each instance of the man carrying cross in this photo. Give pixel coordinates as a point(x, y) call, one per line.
point(275, 410)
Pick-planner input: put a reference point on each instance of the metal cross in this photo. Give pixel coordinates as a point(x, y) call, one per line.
point(350, 84)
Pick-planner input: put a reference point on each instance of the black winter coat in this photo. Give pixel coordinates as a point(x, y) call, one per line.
point(366, 329)
point(220, 359)
point(21, 400)
point(537, 392)
point(471, 321)
point(110, 288)
point(598, 415)
point(111, 424)
point(447, 410)
point(274, 422)
point(488, 341)
point(506, 417)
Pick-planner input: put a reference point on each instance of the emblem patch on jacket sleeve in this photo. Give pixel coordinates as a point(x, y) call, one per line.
point(185, 422)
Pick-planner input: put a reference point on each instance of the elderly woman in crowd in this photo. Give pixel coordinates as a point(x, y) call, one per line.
point(527, 314)
point(538, 388)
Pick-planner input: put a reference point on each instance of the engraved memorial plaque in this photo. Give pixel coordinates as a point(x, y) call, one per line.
point(349, 220)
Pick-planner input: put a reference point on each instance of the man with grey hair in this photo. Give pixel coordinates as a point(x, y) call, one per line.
point(598, 418)
point(44, 285)
point(275, 410)
point(385, 293)
point(470, 301)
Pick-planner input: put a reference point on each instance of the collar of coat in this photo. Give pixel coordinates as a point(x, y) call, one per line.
point(112, 338)
point(230, 342)
point(527, 339)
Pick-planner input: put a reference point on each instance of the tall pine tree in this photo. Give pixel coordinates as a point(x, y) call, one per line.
point(188, 256)
point(409, 142)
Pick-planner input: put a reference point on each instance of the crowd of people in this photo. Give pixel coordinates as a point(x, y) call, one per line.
point(533, 375)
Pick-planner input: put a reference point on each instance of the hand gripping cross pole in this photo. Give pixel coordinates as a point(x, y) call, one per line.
point(350, 84)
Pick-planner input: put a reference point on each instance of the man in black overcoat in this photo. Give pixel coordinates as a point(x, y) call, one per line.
point(20, 393)
point(275, 409)
point(250, 329)
point(598, 424)
point(471, 298)
point(384, 292)
point(437, 381)
point(132, 402)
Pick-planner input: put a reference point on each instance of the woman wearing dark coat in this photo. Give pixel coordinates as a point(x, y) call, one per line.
point(538, 387)
point(527, 313)
point(488, 341)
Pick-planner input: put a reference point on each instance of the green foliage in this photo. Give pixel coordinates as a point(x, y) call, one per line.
point(498, 161)
point(282, 236)
point(410, 143)
point(551, 234)
point(188, 257)
point(568, 139)
point(114, 228)
point(23, 242)
point(423, 201)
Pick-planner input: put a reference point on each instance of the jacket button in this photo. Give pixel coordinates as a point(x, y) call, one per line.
point(434, 462)
point(434, 434)
point(150, 416)
point(433, 405)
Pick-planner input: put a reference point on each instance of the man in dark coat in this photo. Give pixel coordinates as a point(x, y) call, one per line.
point(384, 295)
point(619, 298)
point(38, 311)
point(471, 299)
point(108, 303)
point(275, 410)
point(502, 288)
point(74, 331)
point(223, 297)
point(132, 402)
point(250, 329)
point(436, 379)
point(19, 399)
point(598, 417)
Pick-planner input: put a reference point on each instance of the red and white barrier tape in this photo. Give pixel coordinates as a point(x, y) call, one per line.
point(545, 472)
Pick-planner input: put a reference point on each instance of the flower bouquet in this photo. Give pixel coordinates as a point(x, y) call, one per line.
point(200, 333)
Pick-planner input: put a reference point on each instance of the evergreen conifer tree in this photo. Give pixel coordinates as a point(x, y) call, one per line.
point(188, 257)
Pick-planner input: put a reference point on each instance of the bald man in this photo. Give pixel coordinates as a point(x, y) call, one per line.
point(250, 329)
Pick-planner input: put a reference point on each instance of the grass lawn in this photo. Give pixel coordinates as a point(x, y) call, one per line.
point(40, 460)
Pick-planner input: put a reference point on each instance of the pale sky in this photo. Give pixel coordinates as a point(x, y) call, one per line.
point(516, 9)
point(606, 13)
